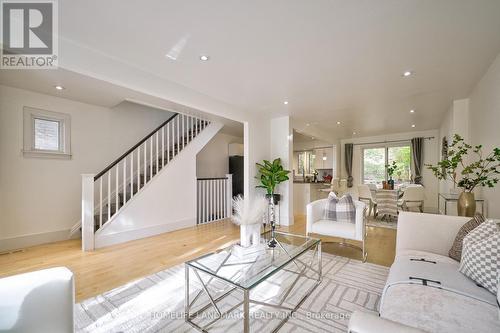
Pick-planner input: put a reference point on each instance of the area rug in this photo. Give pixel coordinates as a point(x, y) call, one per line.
point(390, 224)
point(156, 303)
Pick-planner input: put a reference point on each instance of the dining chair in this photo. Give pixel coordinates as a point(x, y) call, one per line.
point(413, 197)
point(365, 195)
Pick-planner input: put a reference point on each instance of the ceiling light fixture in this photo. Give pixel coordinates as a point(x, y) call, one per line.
point(308, 124)
point(285, 102)
point(204, 58)
point(59, 87)
point(413, 125)
point(407, 73)
point(412, 111)
point(353, 133)
point(338, 122)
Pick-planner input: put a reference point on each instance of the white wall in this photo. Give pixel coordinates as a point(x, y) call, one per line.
point(484, 120)
point(455, 121)
point(282, 147)
point(40, 199)
point(213, 159)
point(431, 154)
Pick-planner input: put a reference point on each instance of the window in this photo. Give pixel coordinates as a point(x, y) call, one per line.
point(375, 159)
point(46, 134)
point(306, 162)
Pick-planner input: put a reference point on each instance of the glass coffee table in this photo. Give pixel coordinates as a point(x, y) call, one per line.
point(296, 260)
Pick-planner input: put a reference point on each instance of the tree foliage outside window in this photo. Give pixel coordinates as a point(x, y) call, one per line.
point(376, 159)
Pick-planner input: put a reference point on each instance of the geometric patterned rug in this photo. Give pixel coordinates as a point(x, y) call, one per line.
point(156, 303)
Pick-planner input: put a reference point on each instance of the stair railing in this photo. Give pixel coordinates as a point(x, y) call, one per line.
point(214, 199)
point(107, 192)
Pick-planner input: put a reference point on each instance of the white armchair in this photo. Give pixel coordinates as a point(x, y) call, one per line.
point(315, 224)
point(40, 301)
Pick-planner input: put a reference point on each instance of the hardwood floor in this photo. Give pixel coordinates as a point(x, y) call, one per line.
point(105, 269)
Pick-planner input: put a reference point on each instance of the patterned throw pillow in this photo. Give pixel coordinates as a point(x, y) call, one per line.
point(456, 249)
point(481, 255)
point(340, 209)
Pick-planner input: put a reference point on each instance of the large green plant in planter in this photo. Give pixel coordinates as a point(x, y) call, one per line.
point(476, 170)
point(270, 175)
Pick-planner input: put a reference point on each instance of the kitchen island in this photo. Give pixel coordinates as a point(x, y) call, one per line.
point(306, 192)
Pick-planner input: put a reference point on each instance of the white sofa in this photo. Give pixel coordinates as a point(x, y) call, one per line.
point(422, 245)
point(40, 301)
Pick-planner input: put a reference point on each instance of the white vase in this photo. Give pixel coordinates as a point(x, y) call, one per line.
point(249, 234)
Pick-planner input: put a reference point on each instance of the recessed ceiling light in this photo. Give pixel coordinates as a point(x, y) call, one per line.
point(312, 137)
point(413, 125)
point(204, 57)
point(412, 111)
point(285, 102)
point(308, 124)
point(59, 87)
point(338, 122)
point(353, 133)
point(407, 73)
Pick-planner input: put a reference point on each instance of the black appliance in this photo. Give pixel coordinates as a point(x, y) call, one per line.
point(236, 169)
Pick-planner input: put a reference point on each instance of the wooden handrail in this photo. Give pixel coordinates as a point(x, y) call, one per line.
point(100, 174)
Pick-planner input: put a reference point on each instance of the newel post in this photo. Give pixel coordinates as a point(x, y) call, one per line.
point(229, 198)
point(88, 212)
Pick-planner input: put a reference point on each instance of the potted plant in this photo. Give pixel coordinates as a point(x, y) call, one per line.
point(391, 168)
point(270, 175)
point(468, 172)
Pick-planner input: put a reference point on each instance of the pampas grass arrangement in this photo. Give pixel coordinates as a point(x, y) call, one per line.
point(247, 213)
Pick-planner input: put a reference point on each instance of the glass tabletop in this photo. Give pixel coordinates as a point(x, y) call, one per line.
point(249, 270)
point(454, 196)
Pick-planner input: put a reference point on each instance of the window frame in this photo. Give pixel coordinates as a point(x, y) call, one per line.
point(386, 148)
point(64, 120)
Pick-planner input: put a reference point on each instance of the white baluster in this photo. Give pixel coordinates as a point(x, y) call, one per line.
point(124, 180)
point(109, 195)
point(100, 202)
point(168, 142)
point(138, 168)
point(132, 174)
point(163, 146)
point(117, 189)
point(145, 162)
point(157, 156)
point(178, 137)
point(183, 130)
point(151, 158)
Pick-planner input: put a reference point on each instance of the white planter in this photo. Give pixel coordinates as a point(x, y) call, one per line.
point(249, 234)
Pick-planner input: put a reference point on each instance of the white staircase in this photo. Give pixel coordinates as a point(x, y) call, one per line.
point(121, 186)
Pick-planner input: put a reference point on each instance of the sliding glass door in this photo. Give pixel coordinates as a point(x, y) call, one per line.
point(374, 161)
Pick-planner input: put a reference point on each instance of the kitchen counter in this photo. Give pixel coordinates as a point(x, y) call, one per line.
point(304, 193)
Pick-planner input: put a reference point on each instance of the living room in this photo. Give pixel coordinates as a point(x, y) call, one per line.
point(226, 166)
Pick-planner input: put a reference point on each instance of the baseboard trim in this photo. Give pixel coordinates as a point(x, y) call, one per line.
point(129, 235)
point(24, 241)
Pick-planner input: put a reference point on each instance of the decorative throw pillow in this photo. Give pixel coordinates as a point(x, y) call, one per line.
point(481, 255)
point(340, 209)
point(456, 249)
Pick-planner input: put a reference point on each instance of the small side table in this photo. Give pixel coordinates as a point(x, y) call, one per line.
point(451, 197)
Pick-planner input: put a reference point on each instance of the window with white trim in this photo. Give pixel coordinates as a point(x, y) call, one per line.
point(46, 134)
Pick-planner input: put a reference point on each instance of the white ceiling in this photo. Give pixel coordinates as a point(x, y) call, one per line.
point(85, 89)
point(333, 60)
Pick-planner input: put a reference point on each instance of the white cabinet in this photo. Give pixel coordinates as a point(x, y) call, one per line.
point(324, 158)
